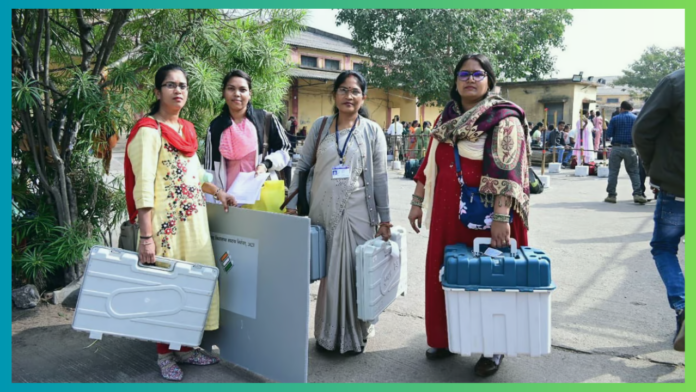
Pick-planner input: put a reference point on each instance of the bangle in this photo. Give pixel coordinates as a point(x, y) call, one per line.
point(417, 204)
point(501, 218)
point(215, 194)
point(418, 198)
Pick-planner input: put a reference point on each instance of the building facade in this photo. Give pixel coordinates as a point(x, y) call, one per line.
point(555, 99)
point(320, 57)
point(610, 96)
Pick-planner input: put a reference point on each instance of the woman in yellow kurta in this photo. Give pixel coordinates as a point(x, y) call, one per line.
point(164, 191)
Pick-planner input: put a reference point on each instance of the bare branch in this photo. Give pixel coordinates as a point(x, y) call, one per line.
point(36, 45)
point(59, 165)
point(47, 58)
point(118, 19)
point(88, 49)
point(71, 31)
point(19, 38)
point(40, 169)
point(64, 68)
point(125, 58)
point(144, 16)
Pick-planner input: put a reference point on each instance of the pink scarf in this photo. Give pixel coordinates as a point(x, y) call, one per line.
point(238, 141)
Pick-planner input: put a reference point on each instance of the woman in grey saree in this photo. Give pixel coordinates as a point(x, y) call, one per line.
point(350, 200)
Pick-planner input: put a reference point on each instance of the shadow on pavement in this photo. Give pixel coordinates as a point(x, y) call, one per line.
point(60, 354)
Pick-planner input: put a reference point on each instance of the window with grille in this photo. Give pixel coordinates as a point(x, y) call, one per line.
point(332, 64)
point(309, 61)
point(359, 67)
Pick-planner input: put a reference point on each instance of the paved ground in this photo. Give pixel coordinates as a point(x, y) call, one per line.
point(611, 321)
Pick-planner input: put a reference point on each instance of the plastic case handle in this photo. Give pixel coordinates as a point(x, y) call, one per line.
point(487, 241)
point(161, 263)
point(391, 246)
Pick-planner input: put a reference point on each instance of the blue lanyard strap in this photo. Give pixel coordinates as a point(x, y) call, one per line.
point(342, 153)
point(459, 166)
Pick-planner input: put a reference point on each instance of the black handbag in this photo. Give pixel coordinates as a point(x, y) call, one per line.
point(302, 178)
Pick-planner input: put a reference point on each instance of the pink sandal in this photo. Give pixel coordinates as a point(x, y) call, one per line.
point(170, 370)
point(196, 357)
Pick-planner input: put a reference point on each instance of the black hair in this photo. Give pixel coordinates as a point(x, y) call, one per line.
point(625, 105)
point(561, 122)
point(427, 124)
point(537, 126)
point(160, 76)
point(551, 127)
point(361, 82)
point(598, 113)
point(396, 119)
point(235, 73)
point(415, 123)
point(487, 67)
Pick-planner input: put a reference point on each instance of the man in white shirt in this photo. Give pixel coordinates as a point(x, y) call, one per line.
point(572, 135)
point(394, 136)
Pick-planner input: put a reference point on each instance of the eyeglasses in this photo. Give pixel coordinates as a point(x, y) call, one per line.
point(476, 75)
point(354, 92)
point(173, 86)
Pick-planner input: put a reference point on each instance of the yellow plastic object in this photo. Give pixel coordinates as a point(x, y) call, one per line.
point(272, 197)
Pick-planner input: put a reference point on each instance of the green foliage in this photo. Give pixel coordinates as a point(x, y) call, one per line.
point(63, 200)
point(654, 64)
point(33, 265)
point(26, 94)
point(417, 50)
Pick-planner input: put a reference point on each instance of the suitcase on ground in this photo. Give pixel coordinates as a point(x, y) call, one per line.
point(592, 168)
point(317, 258)
point(165, 303)
point(498, 304)
point(381, 274)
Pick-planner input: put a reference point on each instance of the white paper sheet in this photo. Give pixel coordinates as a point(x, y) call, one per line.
point(492, 252)
point(246, 188)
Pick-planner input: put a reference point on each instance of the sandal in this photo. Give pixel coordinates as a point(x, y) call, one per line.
point(169, 369)
point(196, 357)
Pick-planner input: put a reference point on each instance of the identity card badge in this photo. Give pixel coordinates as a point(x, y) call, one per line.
point(340, 172)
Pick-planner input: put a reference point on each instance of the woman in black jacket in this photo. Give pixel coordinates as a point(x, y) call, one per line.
point(235, 141)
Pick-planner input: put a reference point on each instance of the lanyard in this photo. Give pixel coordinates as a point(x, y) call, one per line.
point(341, 153)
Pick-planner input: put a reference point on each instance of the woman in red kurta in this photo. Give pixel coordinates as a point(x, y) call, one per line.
point(490, 139)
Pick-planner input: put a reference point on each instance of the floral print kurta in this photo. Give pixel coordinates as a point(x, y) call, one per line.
point(170, 183)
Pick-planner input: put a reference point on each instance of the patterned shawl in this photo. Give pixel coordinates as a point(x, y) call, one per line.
point(505, 166)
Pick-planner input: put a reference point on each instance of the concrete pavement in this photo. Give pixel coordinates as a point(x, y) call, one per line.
point(610, 317)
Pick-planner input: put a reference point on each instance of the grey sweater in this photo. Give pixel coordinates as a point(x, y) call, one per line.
point(375, 164)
